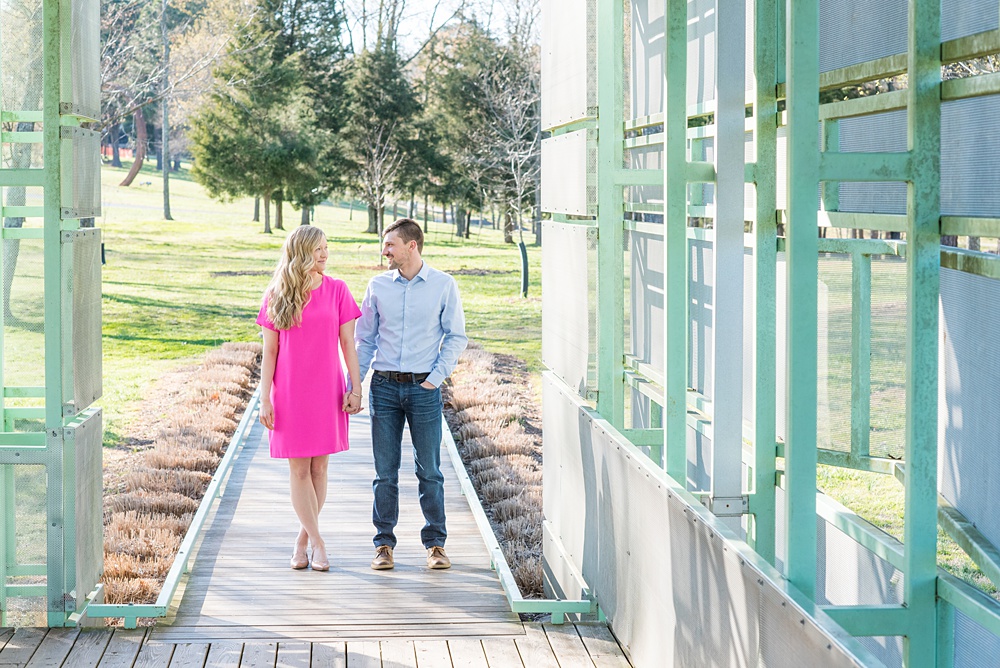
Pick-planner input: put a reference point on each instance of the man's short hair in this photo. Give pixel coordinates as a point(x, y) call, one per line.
point(408, 230)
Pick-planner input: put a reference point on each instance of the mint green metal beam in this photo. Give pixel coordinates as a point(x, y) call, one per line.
point(675, 273)
point(970, 601)
point(971, 539)
point(883, 222)
point(970, 227)
point(922, 268)
point(870, 620)
point(762, 502)
point(861, 354)
point(23, 392)
point(971, 262)
point(803, 184)
point(864, 166)
point(610, 208)
point(29, 178)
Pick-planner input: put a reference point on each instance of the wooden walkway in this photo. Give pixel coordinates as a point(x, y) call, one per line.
point(538, 646)
point(243, 606)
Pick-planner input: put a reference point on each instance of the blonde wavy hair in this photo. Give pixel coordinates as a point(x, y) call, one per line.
point(288, 292)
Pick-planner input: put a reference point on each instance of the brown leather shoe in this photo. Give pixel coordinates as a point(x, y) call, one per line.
point(383, 558)
point(436, 558)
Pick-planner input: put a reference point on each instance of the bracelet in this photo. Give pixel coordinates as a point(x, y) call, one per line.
point(355, 394)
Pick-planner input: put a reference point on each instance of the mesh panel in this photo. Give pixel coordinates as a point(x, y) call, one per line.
point(647, 299)
point(647, 57)
point(699, 461)
point(888, 350)
point(970, 156)
point(86, 58)
point(86, 339)
point(24, 327)
point(86, 202)
point(569, 331)
point(701, 51)
point(569, 56)
point(565, 174)
point(969, 451)
point(856, 31)
point(88, 506)
point(834, 353)
point(23, 487)
point(878, 133)
point(20, 55)
point(749, 317)
point(974, 646)
point(700, 281)
point(960, 18)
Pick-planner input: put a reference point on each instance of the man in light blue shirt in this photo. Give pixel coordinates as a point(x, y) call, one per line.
point(411, 332)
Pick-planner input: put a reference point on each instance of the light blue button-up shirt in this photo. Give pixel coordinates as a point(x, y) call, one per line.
point(415, 325)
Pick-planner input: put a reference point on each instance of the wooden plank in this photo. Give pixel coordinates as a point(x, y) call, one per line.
point(189, 655)
point(567, 645)
point(502, 653)
point(432, 653)
point(259, 655)
point(20, 647)
point(602, 646)
point(364, 654)
point(329, 655)
point(123, 648)
point(224, 655)
point(294, 655)
point(324, 634)
point(398, 654)
point(89, 648)
point(467, 653)
point(534, 647)
point(54, 649)
point(154, 655)
point(5, 635)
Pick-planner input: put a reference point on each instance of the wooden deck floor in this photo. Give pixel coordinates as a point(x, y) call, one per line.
point(242, 606)
point(538, 646)
point(241, 586)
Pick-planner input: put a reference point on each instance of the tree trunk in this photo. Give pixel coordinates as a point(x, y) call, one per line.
point(974, 243)
point(373, 226)
point(256, 209)
point(444, 214)
point(508, 228)
point(177, 165)
point(468, 222)
point(426, 200)
point(454, 218)
point(949, 240)
point(267, 214)
point(460, 222)
point(141, 137)
point(395, 209)
point(165, 142)
point(412, 212)
point(305, 215)
point(158, 142)
point(279, 211)
point(116, 133)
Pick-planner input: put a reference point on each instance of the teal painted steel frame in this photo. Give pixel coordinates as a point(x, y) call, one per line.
point(48, 448)
point(786, 66)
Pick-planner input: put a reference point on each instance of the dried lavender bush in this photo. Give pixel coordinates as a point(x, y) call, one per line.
point(144, 526)
point(484, 408)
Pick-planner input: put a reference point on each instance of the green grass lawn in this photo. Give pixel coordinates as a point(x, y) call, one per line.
point(174, 290)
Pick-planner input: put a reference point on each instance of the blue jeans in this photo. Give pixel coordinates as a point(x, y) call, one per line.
point(390, 404)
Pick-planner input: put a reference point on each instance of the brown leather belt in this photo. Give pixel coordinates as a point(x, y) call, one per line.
point(403, 376)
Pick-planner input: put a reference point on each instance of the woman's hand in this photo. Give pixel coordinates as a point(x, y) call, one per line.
point(352, 403)
point(266, 416)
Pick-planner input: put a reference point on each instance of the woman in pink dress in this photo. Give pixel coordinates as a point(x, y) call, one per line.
point(308, 321)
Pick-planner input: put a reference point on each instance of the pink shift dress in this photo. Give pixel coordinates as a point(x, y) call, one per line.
point(309, 384)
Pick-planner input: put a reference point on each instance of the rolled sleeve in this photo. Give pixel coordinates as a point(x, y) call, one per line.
point(366, 332)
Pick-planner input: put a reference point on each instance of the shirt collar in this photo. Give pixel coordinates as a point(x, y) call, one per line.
point(422, 274)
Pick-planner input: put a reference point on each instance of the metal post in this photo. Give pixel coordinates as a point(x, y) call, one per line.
point(923, 289)
point(762, 502)
point(53, 36)
point(861, 355)
point(6, 531)
point(610, 213)
point(675, 273)
point(801, 232)
point(727, 289)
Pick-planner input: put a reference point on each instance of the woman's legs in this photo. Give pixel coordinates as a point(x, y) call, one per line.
point(305, 501)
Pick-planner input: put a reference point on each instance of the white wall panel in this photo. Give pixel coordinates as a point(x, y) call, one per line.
point(564, 174)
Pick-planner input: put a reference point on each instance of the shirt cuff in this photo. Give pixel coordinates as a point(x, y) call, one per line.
point(435, 378)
